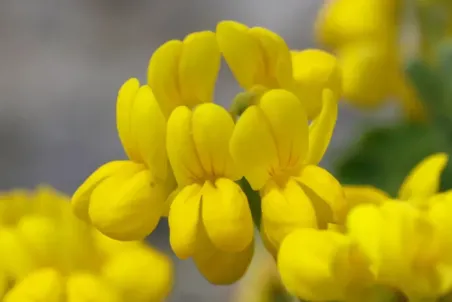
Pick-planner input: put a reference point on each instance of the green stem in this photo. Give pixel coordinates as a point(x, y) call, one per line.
point(254, 201)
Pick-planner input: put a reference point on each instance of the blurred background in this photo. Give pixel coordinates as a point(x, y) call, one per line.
point(62, 62)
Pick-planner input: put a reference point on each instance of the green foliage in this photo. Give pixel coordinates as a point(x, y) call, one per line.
point(384, 156)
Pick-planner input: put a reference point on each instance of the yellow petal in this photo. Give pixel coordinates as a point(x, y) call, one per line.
point(365, 225)
point(148, 129)
point(289, 126)
point(15, 259)
point(423, 180)
point(305, 263)
point(322, 128)
point(124, 108)
point(357, 62)
point(80, 199)
point(3, 285)
point(181, 149)
point(212, 128)
point(13, 206)
point(198, 67)
point(226, 215)
point(183, 220)
point(357, 195)
point(219, 267)
point(162, 75)
point(285, 208)
point(394, 236)
point(48, 202)
point(127, 207)
point(242, 53)
point(340, 22)
point(439, 215)
point(86, 287)
point(40, 235)
point(326, 194)
point(45, 285)
point(315, 70)
point(253, 148)
point(278, 62)
point(141, 274)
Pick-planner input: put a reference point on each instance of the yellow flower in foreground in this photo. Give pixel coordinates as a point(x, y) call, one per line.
point(209, 218)
point(185, 72)
point(405, 247)
point(278, 155)
point(420, 186)
point(125, 199)
point(321, 265)
point(260, 60)
point(364, 34)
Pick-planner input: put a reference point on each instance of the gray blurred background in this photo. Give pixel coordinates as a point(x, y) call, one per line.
point(62, 62)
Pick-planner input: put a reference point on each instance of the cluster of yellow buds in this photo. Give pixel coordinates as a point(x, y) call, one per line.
point(187, 154)
point(49, 255)
point(403, 244)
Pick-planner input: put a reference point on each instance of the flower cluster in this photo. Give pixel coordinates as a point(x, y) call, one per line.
point(48, 255)
point(402, 244)
point(203, 167)
point(186, 154)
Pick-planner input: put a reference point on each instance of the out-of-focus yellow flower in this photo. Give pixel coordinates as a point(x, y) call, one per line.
point(13, 205)
point(3, 284)
point(85, 287)
point(420, 187)
point(322, 265)
point(50, 255)
point(278, 155)
point(140, 274)
point(209, 218)
point(125, 199)
point(260, 60)
point(365, 36)
point(404, 247)
point(185, 72)
point(44, 285)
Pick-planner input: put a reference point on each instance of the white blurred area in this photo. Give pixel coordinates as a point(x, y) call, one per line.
point(62, 62)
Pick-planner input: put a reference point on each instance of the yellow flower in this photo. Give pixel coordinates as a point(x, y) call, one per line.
point(209, 218)
point(278, 155)
point(13, 205)
point(185, 72)
point(260, 60)
point(365, 37)
point(86, 287)
point(45, 285)
point(3, 284)
point(71, 261)
point(321, 265)
point(420, 187)
point(402, 244)
point(16, 260)
point(139, 274)
point(125, 199)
